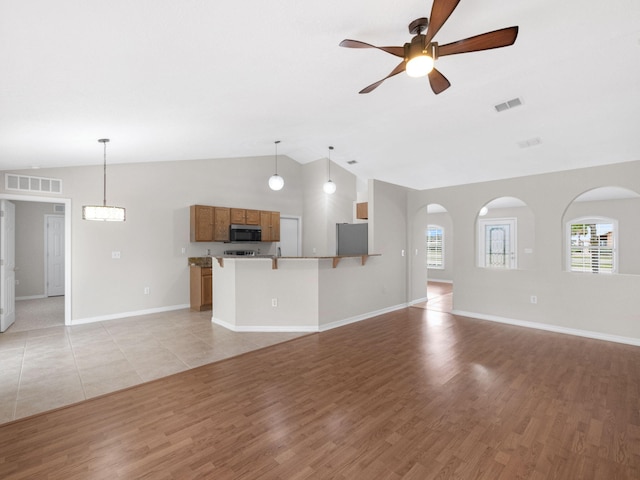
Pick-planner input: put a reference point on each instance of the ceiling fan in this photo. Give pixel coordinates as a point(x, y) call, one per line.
point(419, 55)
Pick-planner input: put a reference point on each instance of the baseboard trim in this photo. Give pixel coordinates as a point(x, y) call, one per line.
point(265, 328)
point(551, 328)
point(31, 297)
point(306, 328)
point(115, 316)
point(418, 300)
point(359, 318)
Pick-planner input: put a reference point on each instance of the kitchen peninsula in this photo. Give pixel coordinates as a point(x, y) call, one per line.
point(302, 294)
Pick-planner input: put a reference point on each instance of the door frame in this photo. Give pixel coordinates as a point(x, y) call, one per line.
point(67, 241)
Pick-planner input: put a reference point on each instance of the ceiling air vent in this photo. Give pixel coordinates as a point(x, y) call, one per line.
point(530, 143)
point(501, 107)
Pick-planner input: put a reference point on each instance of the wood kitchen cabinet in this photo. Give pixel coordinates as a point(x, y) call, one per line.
point(270, 224)
point(222, 221)
point(362, 210)
point(238, 216)
point(201, 286)
point(253, 217)
point(202, 221)
point(211, 224)
point(241, 216)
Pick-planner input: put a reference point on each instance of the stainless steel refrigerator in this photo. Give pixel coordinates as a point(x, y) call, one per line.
point(352, 238)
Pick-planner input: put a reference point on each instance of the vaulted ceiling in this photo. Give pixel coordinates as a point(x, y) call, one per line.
point(196, 79)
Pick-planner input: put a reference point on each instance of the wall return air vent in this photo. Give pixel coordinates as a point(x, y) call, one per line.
point(27, 183)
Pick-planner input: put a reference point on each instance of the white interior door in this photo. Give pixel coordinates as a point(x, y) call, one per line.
point(290, 236)
point(7, 264)
point(54, 231)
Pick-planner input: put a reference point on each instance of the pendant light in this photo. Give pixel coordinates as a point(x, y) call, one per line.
point(104, 212)
point(329, 187)
point(276, 182)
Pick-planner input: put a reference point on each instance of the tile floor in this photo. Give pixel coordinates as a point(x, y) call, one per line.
point(48, 368)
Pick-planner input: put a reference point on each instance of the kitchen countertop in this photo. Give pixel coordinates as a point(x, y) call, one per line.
point(204, 262)
point(274, 259)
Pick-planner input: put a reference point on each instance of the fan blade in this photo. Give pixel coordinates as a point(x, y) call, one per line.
point(395, 71)
point(496, 39)
point(438, 82)
point(440, 12)
point(397, 51)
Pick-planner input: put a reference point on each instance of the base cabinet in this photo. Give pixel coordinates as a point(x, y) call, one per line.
point(201, 286)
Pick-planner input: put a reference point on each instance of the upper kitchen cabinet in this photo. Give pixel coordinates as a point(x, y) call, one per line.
point(362, 210)
point(240, 216)
point(253, 217)
point(270, 224)
point(202, 218)
point(221, 225)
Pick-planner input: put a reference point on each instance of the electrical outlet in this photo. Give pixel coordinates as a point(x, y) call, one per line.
point(534, 299)
point(184, 250)
point(147, 290)
point(115, 254)
point(274, 302)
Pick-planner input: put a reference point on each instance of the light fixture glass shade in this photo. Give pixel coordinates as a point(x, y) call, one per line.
point(103, 213)
point(419, 66)
point(276, 182)
point(329, 187)
point(483, 211)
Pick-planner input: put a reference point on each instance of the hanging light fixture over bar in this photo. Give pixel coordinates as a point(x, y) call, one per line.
point(276, 182)
point(104, 212)
point(329, 187)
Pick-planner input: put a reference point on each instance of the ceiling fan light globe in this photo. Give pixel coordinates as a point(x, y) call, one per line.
point(419, 66)
point(276, 182)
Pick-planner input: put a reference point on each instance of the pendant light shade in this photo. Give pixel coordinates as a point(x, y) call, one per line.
point(104, 212)
point(276, 182)
point(329, 187)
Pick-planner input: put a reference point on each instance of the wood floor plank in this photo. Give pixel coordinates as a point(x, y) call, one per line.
point(410, 394)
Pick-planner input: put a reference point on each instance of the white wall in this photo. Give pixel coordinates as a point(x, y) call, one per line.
point(605, 304)
point(323, 211)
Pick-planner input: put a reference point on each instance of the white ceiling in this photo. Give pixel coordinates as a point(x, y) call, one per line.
point(194, 79)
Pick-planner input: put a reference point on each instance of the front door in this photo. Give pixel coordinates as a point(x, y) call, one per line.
point(7, 264)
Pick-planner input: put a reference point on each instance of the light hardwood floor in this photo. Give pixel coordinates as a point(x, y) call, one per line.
point(413, 394)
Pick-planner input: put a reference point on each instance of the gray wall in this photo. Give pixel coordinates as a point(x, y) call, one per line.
point(157, 197)
point(606, 304)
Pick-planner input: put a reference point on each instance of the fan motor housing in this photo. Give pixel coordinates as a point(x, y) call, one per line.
point(418, 26)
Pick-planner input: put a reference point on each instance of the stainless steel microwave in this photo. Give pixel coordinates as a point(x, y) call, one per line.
point(245, 233)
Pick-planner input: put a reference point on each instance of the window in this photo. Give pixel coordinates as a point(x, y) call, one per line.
point(497, 243)
point(592, 245)
point(435, 247)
